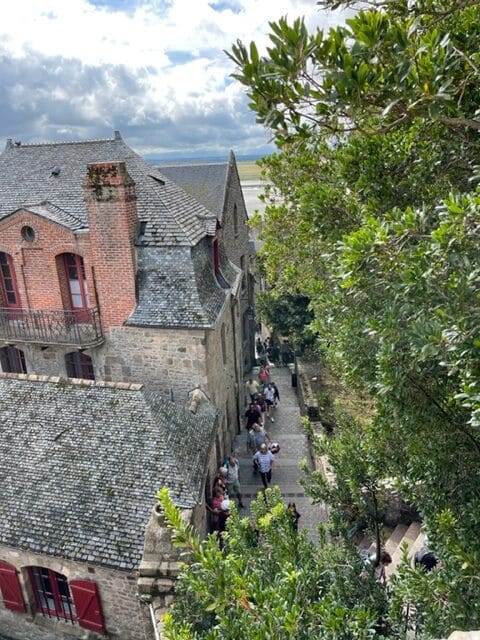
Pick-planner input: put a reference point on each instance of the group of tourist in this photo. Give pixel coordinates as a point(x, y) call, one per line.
point(264, 396)
point(226, 484)
point(269, 350)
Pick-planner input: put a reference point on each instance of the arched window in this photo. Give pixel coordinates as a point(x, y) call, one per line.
point(8, 282)
point(77, 601)
point(79, 365)
point(76, 285)
point(12, 360)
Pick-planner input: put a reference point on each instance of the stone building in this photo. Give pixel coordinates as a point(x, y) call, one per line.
point(154, 284)
point(80, 463)
point(115, 274)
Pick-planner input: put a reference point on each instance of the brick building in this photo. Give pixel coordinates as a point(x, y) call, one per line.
point(154, 284)
point(114, 272)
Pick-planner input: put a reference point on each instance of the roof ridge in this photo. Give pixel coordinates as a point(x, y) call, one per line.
point(33, 377)
point(60, 143)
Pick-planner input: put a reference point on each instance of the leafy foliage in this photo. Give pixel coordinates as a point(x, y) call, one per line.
point(287, 315)
point(269, 582)
point(372, 213)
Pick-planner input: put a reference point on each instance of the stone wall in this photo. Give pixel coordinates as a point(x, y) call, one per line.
point(172, 361)
point(161, 562)
point(234, 235)
point(225, 372)
point(123, 614)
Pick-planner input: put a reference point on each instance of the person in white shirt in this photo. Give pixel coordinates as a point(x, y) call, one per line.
point(264, 459)
point(269, 395)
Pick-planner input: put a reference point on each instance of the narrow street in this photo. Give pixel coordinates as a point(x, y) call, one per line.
point(288, 432)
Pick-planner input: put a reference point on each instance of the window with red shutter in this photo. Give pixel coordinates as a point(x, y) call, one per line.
point(87, 605)
point(10, 587)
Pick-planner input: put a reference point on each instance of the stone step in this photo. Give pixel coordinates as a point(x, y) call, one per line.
point(410, 536)
point(417, 545)
point(395, 538)
point(372, 546)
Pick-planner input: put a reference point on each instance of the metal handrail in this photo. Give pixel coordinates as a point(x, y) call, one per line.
point(81, 328)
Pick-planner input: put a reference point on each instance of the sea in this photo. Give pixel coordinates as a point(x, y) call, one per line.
point(175, 159)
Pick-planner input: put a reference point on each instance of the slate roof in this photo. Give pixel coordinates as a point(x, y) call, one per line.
point(177, 288)
point(55, 214)
point(81, 461)
point(27, 178)
point(202, 181)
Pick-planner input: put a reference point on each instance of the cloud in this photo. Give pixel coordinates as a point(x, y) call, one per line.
point(155, 69)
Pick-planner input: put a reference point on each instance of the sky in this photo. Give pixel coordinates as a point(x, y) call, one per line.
point(153, 69)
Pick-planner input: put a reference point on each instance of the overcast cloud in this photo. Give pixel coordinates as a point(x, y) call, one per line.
point(154, 69)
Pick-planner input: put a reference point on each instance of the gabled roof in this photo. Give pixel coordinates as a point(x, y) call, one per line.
point(202, 182)
point(54, 214)
point(53, 172)
point(81, 461)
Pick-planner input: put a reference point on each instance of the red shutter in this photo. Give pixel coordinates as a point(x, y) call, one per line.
point(10, 587)
point(87, 605)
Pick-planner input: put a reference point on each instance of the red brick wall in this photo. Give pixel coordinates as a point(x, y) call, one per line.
point(107, 249)
point(112, 215)
point(35, 262)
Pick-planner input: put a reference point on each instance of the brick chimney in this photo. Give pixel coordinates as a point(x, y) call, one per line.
point(112, 218)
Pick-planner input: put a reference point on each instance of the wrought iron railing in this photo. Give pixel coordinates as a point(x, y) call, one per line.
point(81, 328)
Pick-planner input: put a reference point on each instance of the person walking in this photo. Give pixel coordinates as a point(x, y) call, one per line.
point(285, 352)
point(257, 437)
point(295, 516)
point(269, 394)
point(264, 375)
point(233, 483)
point(264, 460)
point(252, 415)
point(252, 388)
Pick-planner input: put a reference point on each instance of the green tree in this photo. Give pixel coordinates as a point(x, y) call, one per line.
point(378, 224)
point(287, 315)
point(268, 582)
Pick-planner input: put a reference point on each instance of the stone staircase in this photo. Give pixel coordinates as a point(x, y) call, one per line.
point(395, 539)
